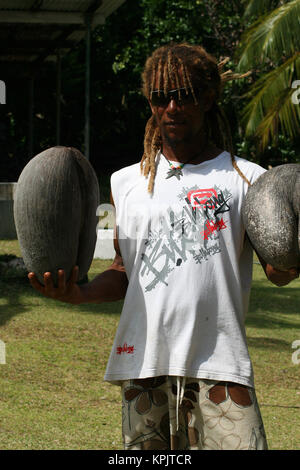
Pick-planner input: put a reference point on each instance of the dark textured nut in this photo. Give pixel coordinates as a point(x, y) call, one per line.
point(271, 216)
point(55, 212)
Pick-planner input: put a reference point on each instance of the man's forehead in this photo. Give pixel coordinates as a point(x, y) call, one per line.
point(174, 81)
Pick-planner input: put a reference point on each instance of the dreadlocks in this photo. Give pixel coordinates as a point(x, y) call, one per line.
point(198, 69)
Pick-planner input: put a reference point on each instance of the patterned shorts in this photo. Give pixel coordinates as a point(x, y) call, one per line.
point(190, 414)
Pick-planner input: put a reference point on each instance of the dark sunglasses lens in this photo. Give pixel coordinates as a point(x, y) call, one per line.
point(184, 97)
point(159, 99)
point(181, 96)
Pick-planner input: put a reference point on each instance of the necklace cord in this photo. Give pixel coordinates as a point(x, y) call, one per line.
point(181, 165)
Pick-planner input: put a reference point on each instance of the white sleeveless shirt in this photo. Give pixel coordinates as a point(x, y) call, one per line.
point(189, 270)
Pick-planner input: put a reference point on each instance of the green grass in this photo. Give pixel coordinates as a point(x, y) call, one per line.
point(273, 324)
point(52, 393)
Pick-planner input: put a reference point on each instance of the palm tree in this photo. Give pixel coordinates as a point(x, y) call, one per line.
point(270, 46)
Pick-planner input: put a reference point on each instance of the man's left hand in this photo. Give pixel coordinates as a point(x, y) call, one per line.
point(280, 278)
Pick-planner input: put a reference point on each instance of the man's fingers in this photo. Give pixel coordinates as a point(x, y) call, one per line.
point(61, 283)
point(34, 282)
point(294, 273)
point(74, 274)
point(48, 281)
point(63, 289)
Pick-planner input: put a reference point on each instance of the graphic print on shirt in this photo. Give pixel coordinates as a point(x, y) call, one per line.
point(193, 231)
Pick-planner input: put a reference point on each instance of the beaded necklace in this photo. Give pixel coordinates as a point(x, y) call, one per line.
point(176, 170)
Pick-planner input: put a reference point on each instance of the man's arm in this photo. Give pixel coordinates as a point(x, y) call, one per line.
point(109, 286)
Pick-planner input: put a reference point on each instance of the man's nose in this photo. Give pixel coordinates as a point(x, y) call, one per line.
point(173, 106)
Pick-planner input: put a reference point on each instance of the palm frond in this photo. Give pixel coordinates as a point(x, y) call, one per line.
point(257, 7)
point(270, 98)
point(272, 36)
point(282, 114)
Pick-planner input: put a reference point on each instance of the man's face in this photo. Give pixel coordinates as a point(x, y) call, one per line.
point(180, 122)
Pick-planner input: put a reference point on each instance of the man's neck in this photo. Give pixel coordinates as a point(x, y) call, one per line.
point(183, 153)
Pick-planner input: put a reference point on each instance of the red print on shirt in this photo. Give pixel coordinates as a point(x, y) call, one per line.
point(199, 197)
point(125, 349)
point(213, 226)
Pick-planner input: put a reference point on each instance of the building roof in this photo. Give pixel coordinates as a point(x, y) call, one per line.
point(32, 31)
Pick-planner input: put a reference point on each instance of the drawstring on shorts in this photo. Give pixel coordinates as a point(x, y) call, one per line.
point(179, 398)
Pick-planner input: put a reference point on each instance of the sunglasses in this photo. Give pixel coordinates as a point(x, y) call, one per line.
point(182, 96)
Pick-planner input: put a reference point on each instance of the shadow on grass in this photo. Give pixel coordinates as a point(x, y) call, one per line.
point(96, 309)
point(12, 289)
point(270, 307)
point(268, 343)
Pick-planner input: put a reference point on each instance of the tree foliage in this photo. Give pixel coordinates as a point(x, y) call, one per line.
point(214, 24)
point(271, 47)
point(119, 111)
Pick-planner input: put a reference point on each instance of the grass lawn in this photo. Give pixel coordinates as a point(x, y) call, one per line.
point(52, 393)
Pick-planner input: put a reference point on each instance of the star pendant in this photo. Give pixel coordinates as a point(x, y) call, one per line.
point(174, 172)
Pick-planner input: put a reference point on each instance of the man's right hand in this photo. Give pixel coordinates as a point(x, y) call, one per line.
point(69, 291)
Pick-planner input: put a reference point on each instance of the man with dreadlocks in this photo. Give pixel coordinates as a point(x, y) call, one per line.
point(184, 267)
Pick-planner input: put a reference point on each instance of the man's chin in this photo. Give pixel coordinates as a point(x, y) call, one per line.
point(175, 139)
